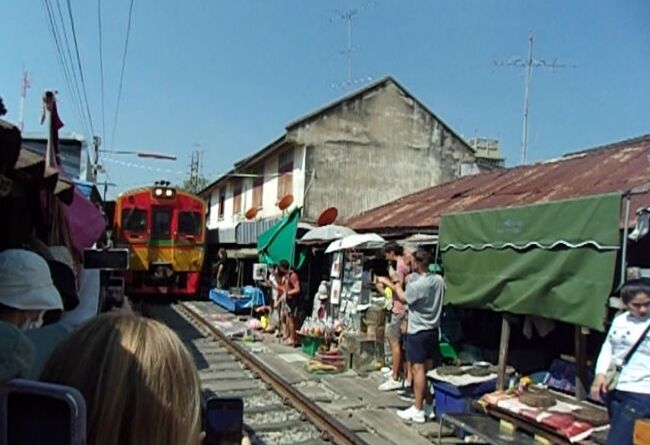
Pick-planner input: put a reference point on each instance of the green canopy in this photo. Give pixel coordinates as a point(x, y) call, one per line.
point(279, 242)
point(555, 260)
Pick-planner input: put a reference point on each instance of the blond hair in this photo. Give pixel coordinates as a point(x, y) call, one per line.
point(140, 382)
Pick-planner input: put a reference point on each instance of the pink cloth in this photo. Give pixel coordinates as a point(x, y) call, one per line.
point(85, 221)
point(402, 272)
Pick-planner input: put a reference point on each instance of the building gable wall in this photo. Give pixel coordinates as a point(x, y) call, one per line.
point(373, 149)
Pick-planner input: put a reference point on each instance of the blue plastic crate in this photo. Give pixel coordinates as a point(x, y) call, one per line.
point(252, 297)
point(452, 399)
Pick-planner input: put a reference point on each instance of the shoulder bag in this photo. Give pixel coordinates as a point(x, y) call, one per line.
point(613, 372)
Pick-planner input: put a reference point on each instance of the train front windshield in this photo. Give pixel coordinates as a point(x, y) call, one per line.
point(161, 223)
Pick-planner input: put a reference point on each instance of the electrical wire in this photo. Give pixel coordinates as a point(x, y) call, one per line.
point(60, 55)
point(81, 73)
point(69, 61)
point(101, 64)
point(119, 90)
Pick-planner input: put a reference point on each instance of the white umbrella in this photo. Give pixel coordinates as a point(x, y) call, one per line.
point(362, 241)
point(326, 233)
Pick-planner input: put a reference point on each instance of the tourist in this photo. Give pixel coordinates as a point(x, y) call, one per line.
point(27, 290)
point(396, 328)
point(47, 337)
point(139, 381)
point(423, 295)
point(16, 353)
point(627, 346)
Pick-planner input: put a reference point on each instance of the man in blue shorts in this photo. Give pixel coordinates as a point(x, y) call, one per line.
point(423, 295)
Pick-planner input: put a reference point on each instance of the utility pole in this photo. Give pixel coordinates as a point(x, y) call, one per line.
point(195, 168)
point(529, 63)
point(106, 186)
point(25, 84)
point(97, 141)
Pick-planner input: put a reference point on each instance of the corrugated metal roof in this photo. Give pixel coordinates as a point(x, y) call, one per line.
point(617, 167)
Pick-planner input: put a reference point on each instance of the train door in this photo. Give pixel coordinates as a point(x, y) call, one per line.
point(160, 253)
point(161, 218)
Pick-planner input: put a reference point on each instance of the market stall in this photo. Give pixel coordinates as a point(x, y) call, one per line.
point(354, 312)
point(552, 261)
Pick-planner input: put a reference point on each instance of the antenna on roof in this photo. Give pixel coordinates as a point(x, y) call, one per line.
point(348, 16)
point(529, 63)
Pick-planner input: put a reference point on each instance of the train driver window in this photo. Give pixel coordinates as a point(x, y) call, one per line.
point(189, 223)
point(161, 222)
point(134, 220)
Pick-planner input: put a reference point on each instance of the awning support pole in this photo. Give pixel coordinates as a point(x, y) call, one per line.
point(628, 198)
point(580, 345)
point(503, 352)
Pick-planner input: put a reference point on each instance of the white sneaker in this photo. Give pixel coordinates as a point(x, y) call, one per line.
point(429, 412)
point(390, 385)
point(412, 414)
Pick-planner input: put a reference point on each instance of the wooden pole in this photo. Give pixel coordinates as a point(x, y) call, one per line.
point(503, 352)
point(580, 345)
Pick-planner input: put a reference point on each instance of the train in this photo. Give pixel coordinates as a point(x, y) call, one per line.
point(164, 230)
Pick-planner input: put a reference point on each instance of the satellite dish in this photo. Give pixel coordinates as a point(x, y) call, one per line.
point(328, 216)
point(285, 202)
point(251, 213)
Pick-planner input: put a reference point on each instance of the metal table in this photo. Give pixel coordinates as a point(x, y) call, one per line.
point(486, 428)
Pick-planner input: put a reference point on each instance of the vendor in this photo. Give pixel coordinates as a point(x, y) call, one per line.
point(272, 282)
point(222, 271)
point(423, 296)
point(290, 298)
point(629, 400)
point(319, 310)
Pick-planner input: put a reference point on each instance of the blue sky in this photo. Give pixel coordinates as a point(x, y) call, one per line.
point(228, 75)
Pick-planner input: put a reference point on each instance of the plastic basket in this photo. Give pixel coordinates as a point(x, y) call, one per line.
point(311, 344)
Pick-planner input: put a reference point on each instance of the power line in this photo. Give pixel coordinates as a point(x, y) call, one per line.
point(70, 66)
point(119, 90)
point(101, 64)
point(81, 73)
point(62, 63)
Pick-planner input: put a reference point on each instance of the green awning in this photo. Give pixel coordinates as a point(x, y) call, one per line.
point(555, 260)
point(279, 242)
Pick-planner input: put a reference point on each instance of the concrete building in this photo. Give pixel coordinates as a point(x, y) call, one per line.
point(72, 149)
point(359, 152)
point(487, 150)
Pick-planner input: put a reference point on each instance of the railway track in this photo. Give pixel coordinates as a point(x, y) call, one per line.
point(275, 412)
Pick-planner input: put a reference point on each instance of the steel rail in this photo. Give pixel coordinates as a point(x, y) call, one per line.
point(331, 427)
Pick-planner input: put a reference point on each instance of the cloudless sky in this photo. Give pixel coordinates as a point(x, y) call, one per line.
point(229, 75)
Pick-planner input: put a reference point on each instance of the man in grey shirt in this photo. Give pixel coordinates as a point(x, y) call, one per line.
point(423, 294)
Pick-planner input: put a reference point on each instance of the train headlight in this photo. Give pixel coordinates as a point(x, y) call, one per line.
point(158, 192)
point(169, 193)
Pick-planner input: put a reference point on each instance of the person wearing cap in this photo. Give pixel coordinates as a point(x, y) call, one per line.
point(27, 290)
point(424, 296)
point(79, 305)
point(319, 310)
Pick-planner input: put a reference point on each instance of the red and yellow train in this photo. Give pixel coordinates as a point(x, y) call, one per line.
point(164, 230)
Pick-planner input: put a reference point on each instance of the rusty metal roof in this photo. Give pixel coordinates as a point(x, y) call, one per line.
point(617, 167)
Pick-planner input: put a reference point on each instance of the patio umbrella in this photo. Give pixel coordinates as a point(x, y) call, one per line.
point(360, 241)
point(327, 233)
